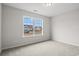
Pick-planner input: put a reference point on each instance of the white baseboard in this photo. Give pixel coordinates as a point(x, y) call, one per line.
point(24, 44)
point(70, 43)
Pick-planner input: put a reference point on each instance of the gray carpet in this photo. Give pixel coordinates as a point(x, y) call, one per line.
point(48, 48)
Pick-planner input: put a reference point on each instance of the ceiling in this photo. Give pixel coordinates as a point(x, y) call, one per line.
point(40, 8)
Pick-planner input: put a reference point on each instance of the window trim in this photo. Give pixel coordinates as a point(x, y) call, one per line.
point(33, 18)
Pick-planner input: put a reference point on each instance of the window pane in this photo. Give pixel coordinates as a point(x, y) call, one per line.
point(28, 21)
point(28, 26)
point(38, 26)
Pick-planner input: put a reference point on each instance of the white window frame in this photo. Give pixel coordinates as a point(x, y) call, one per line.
point(33, 27)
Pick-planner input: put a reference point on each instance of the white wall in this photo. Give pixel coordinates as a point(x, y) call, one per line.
point(0, 27)
point(12, 28)
point(65, 28)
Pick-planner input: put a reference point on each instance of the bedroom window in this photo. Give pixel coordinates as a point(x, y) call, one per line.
point(38, 26)
point(28, 26)
point(32, 26)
